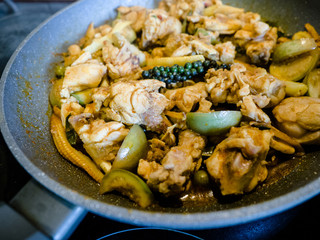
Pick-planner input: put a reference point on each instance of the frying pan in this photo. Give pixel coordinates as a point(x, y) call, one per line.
point(25, 111)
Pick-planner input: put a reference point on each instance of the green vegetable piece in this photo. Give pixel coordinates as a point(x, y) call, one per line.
point(295, 89)
point(72, 137)
point(55, 98)
point(84, 97)
point(214, 123)
point(313, 82)
point(201, 178)
point(129, 185)
point(297, 68)
point(59, 71)
point(133, 148)
point(184, 26)
point(293, 48)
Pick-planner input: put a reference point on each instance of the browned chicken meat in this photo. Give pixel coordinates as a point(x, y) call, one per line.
point(185, 98)
point(238, 162)
point(257, 37)
point(250, 109)
point(183, 8)
point(157, 150)
point(299, 117)
point(172, 174)
point(227, 52)
point(185, 45)
point(121, 57)
point(252, 88)
point(82, 76)
point(136, 15)
point(137, 102)
point(157, 27)
point(259, 41)
point(224, 19)
point(220, 24)
point(100, 139)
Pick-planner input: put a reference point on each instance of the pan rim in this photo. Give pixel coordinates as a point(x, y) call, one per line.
point(190, 221)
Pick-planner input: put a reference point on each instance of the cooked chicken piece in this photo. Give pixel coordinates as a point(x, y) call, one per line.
point(232, 86)
point(225, 20)
point(260, 51)
point(204, 106)
point(81, 77)
point(263, 84)
point(136, 15)
point(299, 117)
point(249, 18)
point(157, 52)
point(280, 141)
point(121, 57)
point(186, 45)
point(227, 86)
point(238, 162)
point(69, 108)
point(99, 95)
point(178, 43)
point(184, 50)
point(103, 29)
point(251, 31)
point(183, 8)
point(251, 110)
point(137, 102)
point(157, 150)
point(168, 137)
point(220, 23)
point(134, 76)
point(84, 57)
point(207, 50)
point(185, 98)
point(208, 37)
point(258, 38)
point(172, 175)
point(178, 118)
point(100, 139)
point(244, 18)
point(227, 52)
point(157, 27)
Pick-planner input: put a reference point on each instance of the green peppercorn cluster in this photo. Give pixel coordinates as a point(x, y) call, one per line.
point(177, 74)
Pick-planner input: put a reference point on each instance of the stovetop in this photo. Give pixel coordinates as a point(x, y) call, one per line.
point(301, 222)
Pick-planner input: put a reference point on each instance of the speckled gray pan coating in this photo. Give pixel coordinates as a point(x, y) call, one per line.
point(25, 111)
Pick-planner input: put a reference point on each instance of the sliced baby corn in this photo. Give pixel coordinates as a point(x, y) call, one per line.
point(170, 61)
point(71, 154)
